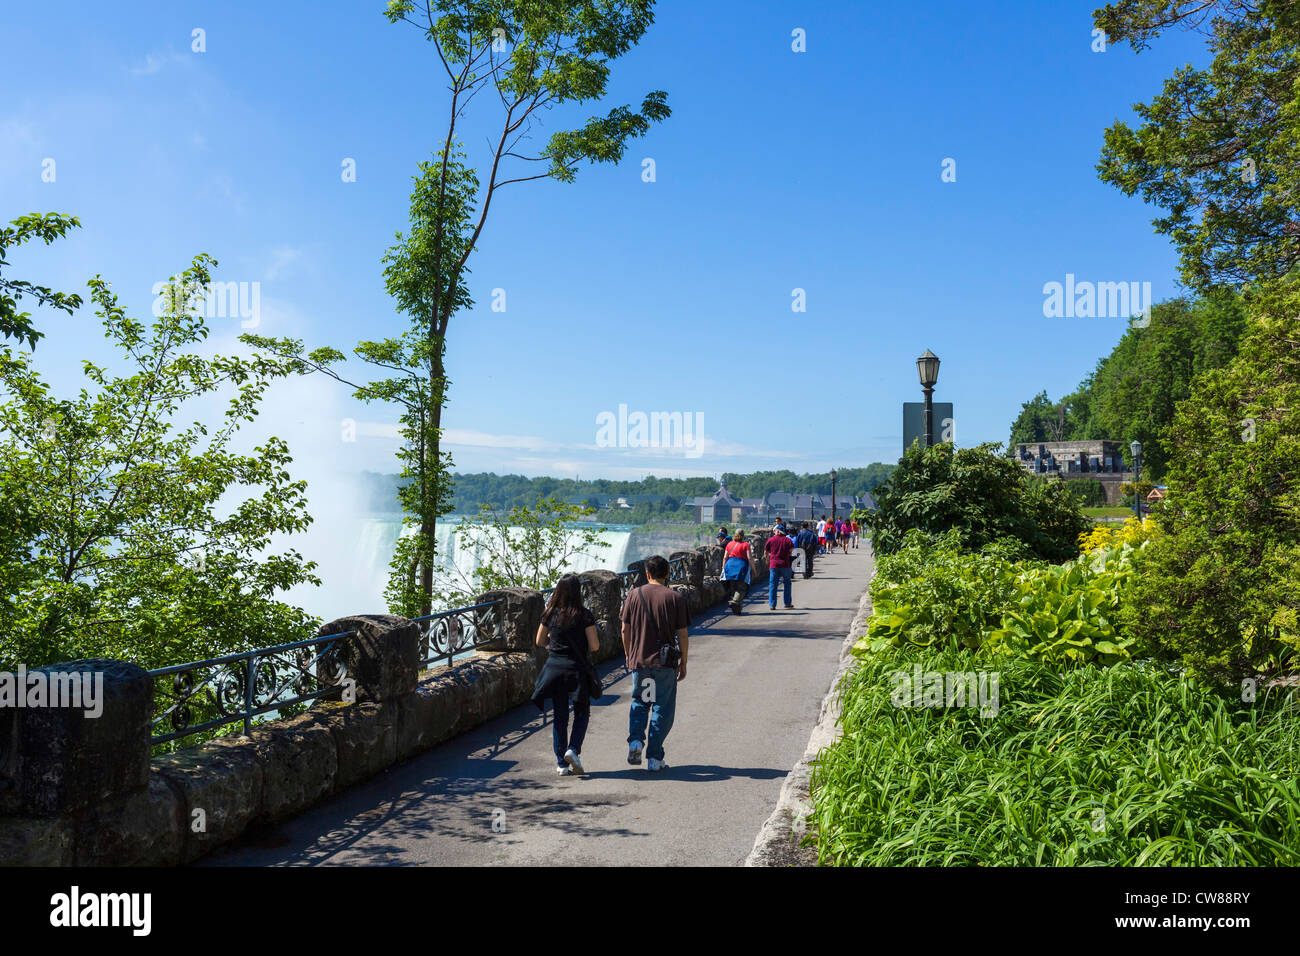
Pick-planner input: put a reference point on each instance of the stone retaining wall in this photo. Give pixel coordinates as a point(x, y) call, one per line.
point(82, 792)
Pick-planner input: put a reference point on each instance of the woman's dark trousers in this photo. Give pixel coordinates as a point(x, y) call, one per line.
point(560, 725)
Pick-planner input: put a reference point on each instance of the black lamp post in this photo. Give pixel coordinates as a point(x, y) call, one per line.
point(927, 367)
point(832, 494)
point(1136, 448)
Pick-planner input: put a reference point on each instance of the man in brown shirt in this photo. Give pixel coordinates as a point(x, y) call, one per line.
point(654, 616)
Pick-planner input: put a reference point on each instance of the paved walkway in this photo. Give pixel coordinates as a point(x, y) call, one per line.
point(744, 713)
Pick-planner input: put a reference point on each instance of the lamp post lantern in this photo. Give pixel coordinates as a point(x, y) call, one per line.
point(1136, 448)
point(927, 367)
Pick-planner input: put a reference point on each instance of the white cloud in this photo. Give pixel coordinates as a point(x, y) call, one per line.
point(281, 258)
point(155, 62)
point(469, 438)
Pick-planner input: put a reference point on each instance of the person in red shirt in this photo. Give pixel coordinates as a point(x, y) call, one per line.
point(737, 568)
point(780, 565)
point(853, 529)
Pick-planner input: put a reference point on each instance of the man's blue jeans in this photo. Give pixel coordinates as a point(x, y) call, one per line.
point(654, 699)
point(773, 576)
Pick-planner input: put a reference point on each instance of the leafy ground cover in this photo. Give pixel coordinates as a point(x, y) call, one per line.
point(1125, 765)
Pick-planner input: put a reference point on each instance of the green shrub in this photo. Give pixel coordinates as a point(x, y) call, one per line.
point(1068, 614)
point(1220, 590)
point(1127, 765)
point(1088, 492)
point(980, 495)
point(931, 593)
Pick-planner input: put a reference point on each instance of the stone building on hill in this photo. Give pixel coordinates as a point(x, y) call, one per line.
point(1100, 458)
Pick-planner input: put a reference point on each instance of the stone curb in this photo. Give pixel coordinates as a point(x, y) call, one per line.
point(777, 843)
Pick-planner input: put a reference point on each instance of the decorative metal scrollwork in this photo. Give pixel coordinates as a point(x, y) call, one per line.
point(458, 631)
point(209, 694)
point(677, 571)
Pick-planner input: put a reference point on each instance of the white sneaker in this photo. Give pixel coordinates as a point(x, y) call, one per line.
point(653, 764)
point(634, 752)
point(571, 758)
point(565, 771)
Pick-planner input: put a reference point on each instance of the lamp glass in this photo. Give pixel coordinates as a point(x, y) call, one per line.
point(1136, 448)
point(927, 367)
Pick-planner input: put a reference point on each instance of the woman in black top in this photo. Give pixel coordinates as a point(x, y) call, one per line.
point(568, 632)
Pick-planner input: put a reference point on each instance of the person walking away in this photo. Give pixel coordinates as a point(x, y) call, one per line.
point(779, 549)
point(808, 541)
point(568, 632)
point(853, 530)
point(842, 535)
point(654, 619)
point(830, 536)
point(821, 535)
point(738, 571)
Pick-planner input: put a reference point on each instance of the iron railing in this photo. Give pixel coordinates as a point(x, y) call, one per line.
point(459, 631)
point(204, 695)
point(626, 582)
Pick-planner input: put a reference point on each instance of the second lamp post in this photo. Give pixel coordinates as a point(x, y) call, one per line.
point(927, 366)
point(1136, 448)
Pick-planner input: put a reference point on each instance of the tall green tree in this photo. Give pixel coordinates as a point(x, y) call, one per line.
point(15, 324)
point(1219, 148)
point(1134, 391)
point(1031, 425)
point(535, 57)
point(129, 532)
point(416, 382)
point(1221, 588)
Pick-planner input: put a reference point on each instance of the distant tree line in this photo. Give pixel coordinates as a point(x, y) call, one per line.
point(515, 491)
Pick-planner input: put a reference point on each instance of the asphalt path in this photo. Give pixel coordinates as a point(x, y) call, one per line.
point(491, 796)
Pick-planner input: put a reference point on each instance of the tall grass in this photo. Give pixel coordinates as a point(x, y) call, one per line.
point(1128, 765)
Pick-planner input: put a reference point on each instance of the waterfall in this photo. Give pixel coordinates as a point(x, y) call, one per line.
point(353, 559)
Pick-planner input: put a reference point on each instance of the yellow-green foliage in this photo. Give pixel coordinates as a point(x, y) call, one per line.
point(1132, 532)
point(1066, 614)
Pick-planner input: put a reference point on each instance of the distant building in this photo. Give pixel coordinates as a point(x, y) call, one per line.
point(1072, 458)
point(1100, 458)
point(719, 508)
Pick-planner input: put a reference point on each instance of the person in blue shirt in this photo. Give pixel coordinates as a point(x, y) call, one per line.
point(807, 539)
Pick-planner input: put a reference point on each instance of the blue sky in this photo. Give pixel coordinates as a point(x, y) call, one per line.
point(778, 171)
